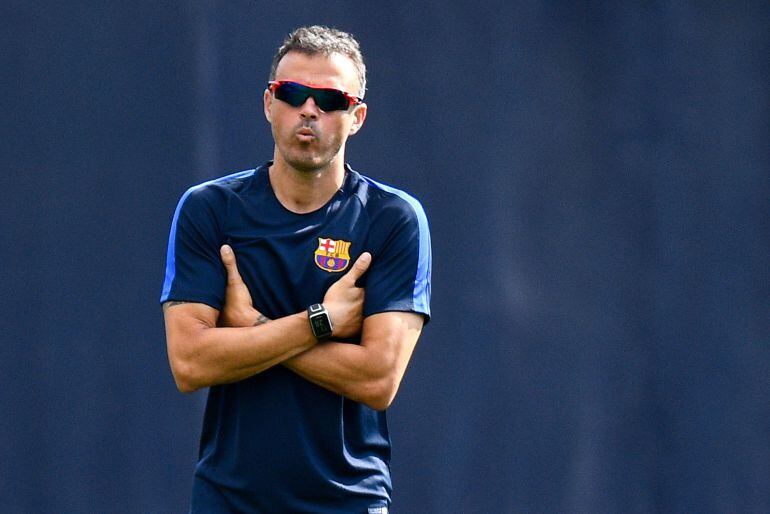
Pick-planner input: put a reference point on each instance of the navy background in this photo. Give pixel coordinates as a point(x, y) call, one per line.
point(596, 177)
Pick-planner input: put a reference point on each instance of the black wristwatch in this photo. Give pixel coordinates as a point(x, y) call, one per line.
point(320, 322)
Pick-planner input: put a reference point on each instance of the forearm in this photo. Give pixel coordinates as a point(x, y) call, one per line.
point(202, 355)
point(350, 370)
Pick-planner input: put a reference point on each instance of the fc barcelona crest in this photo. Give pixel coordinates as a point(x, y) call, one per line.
point(332, 254)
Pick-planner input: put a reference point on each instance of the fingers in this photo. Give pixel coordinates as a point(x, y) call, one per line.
point(228, 259)
point(359, 267)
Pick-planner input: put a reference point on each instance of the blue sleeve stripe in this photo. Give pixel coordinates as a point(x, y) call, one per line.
point(421, 290)
point(171, 253)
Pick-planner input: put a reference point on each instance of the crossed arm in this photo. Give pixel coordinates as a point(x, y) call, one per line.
point(203, 354)
point(371, 372)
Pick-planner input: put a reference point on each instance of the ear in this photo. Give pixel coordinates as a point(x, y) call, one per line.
point(267, 100)
point(359, 115)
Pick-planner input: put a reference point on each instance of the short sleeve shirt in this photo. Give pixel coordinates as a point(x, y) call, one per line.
point(276, 442)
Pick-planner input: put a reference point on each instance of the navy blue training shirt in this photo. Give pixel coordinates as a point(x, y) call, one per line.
point(275, 442)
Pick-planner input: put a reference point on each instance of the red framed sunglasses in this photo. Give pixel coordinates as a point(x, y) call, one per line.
point(326, 98)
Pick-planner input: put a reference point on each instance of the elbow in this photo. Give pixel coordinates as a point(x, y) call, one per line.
point(187, 380)
point(379, 395)
point(185, 386)
point(379, 404)
point(186, 343)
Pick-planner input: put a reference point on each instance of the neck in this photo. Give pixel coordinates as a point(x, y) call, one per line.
point(305, 191)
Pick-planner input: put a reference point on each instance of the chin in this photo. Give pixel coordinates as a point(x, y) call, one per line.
point(308, 163)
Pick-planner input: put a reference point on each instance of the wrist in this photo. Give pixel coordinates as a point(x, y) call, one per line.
point(320, 321)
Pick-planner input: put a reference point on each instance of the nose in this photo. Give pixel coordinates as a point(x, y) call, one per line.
point(309, 109)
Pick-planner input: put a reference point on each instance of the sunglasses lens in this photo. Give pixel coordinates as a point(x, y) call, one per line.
point(296, 94)
point(329, 100)
point(291, 93)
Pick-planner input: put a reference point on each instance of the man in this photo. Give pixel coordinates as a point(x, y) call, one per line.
point(304, 353)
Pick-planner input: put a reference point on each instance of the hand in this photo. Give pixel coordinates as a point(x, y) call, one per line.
point(345, 301)
point(238, 310)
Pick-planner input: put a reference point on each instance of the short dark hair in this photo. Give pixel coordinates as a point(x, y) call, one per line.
point(318, 39)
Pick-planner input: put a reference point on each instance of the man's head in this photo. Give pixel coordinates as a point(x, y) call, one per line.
point(319, 40)
point(314, 71)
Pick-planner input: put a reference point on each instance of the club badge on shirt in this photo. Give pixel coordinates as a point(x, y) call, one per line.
point(332, 254)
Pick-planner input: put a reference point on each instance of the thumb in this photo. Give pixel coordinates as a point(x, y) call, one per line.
point(359, 267)
point(228, 259)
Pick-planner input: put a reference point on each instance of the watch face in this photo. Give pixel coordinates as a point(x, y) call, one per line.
point(320, 325)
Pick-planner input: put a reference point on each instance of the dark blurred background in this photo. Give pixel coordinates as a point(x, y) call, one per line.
point(596, 175)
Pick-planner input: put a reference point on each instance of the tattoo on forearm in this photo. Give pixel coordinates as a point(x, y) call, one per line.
point(261, 320)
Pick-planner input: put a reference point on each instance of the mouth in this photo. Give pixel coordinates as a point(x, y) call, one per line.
point(305, 134)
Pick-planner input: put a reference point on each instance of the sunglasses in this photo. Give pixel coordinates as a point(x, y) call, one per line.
point(327, 99)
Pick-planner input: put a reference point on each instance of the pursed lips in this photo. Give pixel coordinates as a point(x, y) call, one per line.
point(305, 134)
